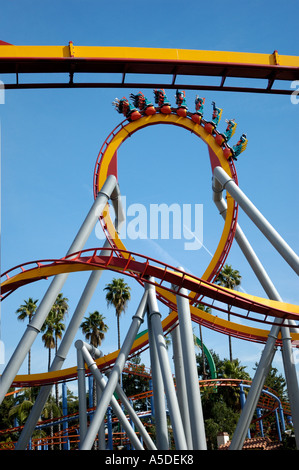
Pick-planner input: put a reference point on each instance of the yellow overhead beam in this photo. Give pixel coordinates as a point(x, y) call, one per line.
point(155, 54)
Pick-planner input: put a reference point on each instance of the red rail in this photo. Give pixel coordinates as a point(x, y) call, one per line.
point(97, 170)
point(143, 267)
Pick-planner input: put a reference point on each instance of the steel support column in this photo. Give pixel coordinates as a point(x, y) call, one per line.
point(115, 373)
point(257, 218)
point(88, 442)
point(191, 376)
point(134, 417)
point(55, 287)
point(174, 410)
point(81, 395)
point(181, 388)
point(260, 272)
point(158, 398)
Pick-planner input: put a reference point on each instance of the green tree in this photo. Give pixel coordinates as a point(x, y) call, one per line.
point(118, 296)
point(21, 404)
point(53, 326)
point(231, 279)
point(53, 329)
point(72, 402)
point(232, 370)
point(94, 328)
point(21, 407)
point(221, 404)
point(52, 410)
point(221, 418)
point(26, 311)
point(276, 382)
point(6, 405)
point(136, 381)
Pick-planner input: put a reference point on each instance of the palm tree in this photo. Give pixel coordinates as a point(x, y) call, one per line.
point(233, 370)
point(53, 325)
point(53, 328)
point(118, 296)
point(230, 278)
point(94, 328)
point(27, 310)
point(48, 336)
point(60, 306)
point(22, 407)
point(22, 402)
point(52, 410)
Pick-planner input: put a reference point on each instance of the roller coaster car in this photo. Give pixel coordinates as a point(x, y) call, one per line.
point(124, 107)
point(228, 152)
point(216, 116)
point(229, 132)
point(199, 105)
point(220, 139)
point(237, 149)
point(165, 109)
point(181, 103)
point(150, 110)
point(210, 127)
point(162, 101)
point(134, 115)
point(142, 103)
point(196, 117)
point(181, 111)
point(240, 146)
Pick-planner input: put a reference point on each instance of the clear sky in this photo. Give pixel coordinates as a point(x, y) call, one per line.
point(50, 140)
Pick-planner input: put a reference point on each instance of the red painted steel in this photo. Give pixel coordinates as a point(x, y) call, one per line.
point(143, 267)
point(113, 169)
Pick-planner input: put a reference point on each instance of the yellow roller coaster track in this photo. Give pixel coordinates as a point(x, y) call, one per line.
point(127, 61)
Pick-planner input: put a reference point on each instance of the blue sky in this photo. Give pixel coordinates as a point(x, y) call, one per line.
point(50, 140)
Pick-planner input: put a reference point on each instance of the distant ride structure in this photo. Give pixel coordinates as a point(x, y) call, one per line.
point(180, 291)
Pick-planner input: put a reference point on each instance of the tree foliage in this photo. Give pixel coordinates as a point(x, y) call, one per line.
point(118, 296)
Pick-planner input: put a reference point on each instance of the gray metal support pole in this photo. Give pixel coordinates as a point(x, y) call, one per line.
point(59, 358)
point(257, 218)
point(191, 375)
point(158, 402)
point(101, 441)
point(291, 379)
point(174, 410)
point(245, 246)
point(261, 274)
point(255, 390)
point(242, 402)
point(181, 389)
point(115, 373)
point(95, 354)
point(81, 395)
point(55, 287)
point(134, 417)
point(247, 249)
point(116, 407)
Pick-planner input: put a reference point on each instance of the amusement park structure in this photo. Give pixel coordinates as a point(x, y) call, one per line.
point(178, 290)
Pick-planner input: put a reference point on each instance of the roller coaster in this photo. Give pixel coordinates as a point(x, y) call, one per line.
point(69, 436)
point(181, 292)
